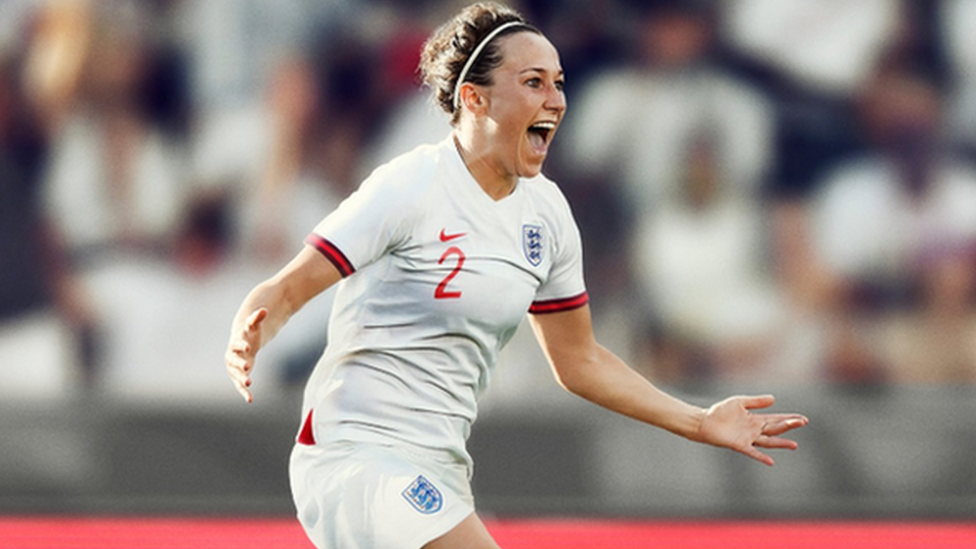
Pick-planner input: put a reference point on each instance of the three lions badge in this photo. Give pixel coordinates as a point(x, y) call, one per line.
point(424, 496)
point(533, 243)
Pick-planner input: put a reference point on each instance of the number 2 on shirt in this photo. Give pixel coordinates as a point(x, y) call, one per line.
point(442, 292)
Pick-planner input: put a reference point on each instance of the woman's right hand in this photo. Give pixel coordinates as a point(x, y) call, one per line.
point(254, 325)
point(241, 351)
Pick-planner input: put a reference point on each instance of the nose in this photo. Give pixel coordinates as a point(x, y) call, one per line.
point(556, 99)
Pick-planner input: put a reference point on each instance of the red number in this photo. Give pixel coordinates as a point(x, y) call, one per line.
point(441, 291)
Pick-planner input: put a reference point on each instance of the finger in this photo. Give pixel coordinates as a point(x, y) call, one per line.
point(245, 393)
point(239, 376)
point(240, 346)
point(755, 454)
point(237, 368)
point(756, 402)
point(775, 443)
point(782, 426)
point(241, 362)
point(237, 362)
point(241, 382)
point(256, 318)
point(769, 418)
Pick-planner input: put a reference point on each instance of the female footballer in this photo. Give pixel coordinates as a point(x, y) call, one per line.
point(440, 253)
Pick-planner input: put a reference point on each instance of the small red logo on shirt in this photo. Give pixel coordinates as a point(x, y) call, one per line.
point(448, 237)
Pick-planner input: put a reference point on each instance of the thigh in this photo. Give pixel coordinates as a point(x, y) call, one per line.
point(469, 534)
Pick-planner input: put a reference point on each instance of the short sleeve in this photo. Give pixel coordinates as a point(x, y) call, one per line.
point(365, 226)
point(564, 289)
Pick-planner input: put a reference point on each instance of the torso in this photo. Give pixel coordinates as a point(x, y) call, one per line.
point(444, 274)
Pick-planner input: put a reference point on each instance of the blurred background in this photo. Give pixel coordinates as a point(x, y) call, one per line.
point(774, 196)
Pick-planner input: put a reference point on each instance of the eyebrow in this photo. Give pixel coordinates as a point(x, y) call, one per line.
point(540, 70)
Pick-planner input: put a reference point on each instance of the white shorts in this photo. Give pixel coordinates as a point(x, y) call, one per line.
point(364, 496)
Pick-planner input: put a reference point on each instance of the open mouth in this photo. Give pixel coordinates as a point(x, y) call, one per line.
point(540, 134)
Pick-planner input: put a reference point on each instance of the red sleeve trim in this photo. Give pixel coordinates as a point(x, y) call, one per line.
point(559, 305)
point(331, 253)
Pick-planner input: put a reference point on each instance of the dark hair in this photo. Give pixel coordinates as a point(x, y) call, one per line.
point(448, 48)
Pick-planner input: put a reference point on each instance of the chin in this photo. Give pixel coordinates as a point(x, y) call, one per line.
point(529, 170)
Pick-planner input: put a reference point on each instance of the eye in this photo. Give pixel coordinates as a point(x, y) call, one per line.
point(533, 82)
point(560, 85)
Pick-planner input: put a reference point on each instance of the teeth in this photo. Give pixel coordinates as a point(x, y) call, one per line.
point(544, 126)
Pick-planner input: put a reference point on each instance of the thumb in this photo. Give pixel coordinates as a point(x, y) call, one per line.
point(255, 319)
point(754, 402)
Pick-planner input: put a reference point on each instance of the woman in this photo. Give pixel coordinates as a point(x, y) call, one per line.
point(443, 250)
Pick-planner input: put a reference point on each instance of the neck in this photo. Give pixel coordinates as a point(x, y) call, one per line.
point(484, 165)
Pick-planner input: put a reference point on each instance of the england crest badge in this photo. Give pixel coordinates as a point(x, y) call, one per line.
point(533, 243)
point(424, 496)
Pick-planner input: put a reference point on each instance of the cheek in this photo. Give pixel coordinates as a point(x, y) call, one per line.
point(511, 106)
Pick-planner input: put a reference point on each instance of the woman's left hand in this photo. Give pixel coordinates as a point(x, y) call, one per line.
point(731, 424)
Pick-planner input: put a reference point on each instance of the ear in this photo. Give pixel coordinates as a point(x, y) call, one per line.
point(473, 98)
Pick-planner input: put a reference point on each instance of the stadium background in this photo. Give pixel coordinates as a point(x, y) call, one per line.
point(159, 157)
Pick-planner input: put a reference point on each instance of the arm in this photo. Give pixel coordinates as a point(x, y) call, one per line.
point(269, 306)
point(585, 368)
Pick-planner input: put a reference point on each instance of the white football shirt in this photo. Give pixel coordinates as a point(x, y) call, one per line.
point(437, 276)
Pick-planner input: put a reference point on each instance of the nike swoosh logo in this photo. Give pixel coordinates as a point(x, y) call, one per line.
point(448, 237)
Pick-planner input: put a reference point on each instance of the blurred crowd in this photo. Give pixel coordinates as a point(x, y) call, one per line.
point(779, 190)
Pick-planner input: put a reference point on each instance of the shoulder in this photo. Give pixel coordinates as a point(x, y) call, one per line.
point(406, 179)
point(407, 170)
point(547, 194)
point(552, 208)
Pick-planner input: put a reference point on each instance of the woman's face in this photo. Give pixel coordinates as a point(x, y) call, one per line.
point(526, 103)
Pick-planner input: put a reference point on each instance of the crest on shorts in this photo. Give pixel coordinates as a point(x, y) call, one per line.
point(533, 243)
point(424, 496)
